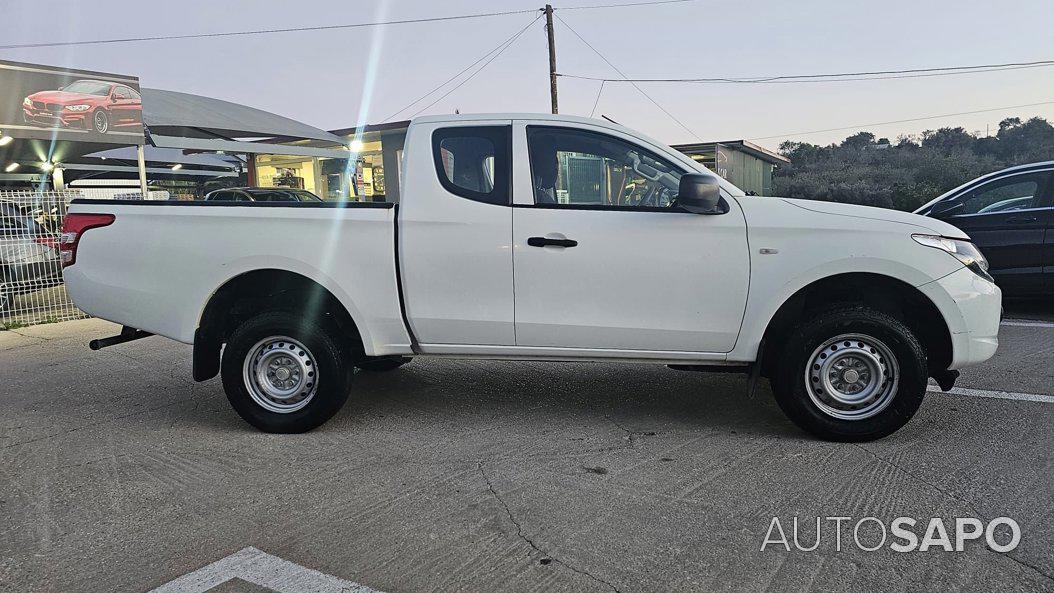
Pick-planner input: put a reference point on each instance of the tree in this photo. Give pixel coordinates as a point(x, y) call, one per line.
point(911, 172)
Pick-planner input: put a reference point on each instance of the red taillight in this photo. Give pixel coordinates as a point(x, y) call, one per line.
point(72, 228)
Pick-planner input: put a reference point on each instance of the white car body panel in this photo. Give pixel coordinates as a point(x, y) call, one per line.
point(707, 286)
point(637, 281)
point(811, 244)
point(455, 255)
point(156, 267)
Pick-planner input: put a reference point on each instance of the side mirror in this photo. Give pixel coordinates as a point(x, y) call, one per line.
point(700, 194)
point(946, 208)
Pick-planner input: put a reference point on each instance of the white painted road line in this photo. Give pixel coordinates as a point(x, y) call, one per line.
point(265, 570)
point(1025, 397)
point(1024, 323)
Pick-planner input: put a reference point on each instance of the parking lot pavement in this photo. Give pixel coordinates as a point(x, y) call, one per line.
point(118, 473)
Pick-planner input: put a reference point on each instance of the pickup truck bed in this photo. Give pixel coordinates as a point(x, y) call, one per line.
point(183, 252)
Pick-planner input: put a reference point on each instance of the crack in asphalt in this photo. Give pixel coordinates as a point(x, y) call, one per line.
point(530, 542)
point(969, 505)
point(30, 336)
point(633, 435)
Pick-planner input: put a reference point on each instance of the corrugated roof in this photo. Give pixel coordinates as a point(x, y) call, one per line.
point(742, 145)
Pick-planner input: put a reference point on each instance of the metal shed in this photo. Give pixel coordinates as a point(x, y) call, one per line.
point(743, 163)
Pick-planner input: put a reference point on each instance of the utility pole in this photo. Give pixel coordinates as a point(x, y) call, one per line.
point(552, 55)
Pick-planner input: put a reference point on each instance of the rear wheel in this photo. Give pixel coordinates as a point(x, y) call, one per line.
point(851, 374)
point(284, 374)
point(381, 364)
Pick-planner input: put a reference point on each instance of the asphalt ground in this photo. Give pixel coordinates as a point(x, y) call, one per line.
point(119, 473)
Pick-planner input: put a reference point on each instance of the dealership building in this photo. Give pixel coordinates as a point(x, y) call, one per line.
point(102, 135)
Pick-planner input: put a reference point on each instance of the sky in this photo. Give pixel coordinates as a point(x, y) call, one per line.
point(340, 78)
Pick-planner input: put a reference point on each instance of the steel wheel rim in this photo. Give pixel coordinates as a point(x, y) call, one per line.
point(852, 377)
point(280, 374)
point(101, 125)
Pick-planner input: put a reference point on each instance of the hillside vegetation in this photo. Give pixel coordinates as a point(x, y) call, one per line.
point(907, 173)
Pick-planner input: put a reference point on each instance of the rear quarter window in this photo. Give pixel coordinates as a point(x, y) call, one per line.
point(472, 162)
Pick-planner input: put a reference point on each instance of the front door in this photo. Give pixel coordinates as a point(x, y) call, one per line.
point(604, 260)
point(122, 106)
point(1007, 218)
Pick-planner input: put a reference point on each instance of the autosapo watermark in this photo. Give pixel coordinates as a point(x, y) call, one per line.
point(903, 534)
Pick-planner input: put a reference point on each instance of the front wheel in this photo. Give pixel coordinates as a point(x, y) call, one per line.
point(851, 374)
point(284, 374)
point(101, 121)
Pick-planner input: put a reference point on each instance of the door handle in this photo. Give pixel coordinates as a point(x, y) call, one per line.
point(547, 242)
point(1022, 219)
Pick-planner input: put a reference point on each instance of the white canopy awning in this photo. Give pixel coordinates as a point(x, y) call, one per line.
point(167, 111)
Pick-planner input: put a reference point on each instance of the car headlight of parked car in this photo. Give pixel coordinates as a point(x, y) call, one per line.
point(77, 107)
point(964, 251)
point(27, 102)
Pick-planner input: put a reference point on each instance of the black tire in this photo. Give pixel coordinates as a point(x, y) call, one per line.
point(381, 364)
point(100, 121)
point(325, 350)
point(796, 397)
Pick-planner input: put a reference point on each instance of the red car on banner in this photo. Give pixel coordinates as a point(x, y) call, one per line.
point(93, 105)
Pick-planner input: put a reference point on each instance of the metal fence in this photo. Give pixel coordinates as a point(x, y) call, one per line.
point(31, 288)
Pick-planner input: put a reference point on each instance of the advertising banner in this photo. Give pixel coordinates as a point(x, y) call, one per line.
point(48, 102)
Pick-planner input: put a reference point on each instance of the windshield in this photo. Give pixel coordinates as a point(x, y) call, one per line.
point(89, 87)
point(273, 196)
point(305, 196)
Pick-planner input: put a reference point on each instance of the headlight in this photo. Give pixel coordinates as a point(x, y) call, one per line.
point(27, 102)
point(78, 107)
point(964, 251)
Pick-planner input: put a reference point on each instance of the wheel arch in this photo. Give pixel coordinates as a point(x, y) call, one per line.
point(882, 292)
point(265, 289)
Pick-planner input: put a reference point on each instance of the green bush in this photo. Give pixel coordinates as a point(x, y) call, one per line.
point(875, 172)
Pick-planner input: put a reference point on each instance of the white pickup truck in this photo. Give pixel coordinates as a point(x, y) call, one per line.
point(549, 238)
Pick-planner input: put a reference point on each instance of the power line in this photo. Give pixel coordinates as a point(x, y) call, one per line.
point(458, 75)
point(902, 121)
point(623, 5)
point(267, 31)
point(623, 75)
point(317, 27)
point(837, 77)
point(480, 69)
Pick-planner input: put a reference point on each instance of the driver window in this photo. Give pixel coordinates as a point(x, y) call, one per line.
point(581, 168)
point(1017, 192)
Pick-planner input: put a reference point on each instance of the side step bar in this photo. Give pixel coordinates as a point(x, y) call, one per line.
point(127, 335)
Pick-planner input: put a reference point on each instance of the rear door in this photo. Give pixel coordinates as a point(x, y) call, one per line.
point(1007, 218)
point(603, 258)
point(454, 233)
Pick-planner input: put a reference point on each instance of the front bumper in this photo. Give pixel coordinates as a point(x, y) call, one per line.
point(66, 119)
point(971, 306)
